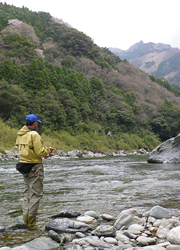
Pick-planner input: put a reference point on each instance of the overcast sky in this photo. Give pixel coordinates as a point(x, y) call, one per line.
point(116, 23)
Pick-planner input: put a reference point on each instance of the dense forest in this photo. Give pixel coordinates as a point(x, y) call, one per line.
point(41, 73)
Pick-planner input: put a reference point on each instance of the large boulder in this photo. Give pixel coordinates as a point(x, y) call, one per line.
point(167, 152)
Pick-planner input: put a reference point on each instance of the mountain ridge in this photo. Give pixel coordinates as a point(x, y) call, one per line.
point(150, 57)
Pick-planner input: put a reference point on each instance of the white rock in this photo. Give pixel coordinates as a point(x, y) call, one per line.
point(107, 217)
point(159, 212)
point(173, 235)
point(121, 237)
point(136, 227)
point(86, 219)
point(111, 240)
point(166, 152)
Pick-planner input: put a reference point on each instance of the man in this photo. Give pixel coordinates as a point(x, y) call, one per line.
point(31, 151)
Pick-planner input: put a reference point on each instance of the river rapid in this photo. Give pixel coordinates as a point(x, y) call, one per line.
point(105, 185)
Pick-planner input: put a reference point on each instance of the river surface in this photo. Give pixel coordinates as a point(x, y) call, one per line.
point(105, 185)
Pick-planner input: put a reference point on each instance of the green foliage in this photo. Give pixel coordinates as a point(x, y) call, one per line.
point(3, 19)
point(96, 86)
point(7, 136)
point(165, 122)
point(16, 45)
point(68, 62)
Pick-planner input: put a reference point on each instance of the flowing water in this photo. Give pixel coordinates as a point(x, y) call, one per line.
point(105, 185)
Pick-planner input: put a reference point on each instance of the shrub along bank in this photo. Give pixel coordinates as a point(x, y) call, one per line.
point(84, 141)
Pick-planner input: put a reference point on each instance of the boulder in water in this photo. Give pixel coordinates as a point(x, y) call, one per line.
point(167, 152)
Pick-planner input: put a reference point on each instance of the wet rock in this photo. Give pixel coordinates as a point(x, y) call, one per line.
point(42, 243)
point(2, 229)
point(166, 152)
point(104, 230)
point(67, 226)
point(79, 235)
point(159, 212)
point(67, 214)
point(173, 236)
point(54, 236)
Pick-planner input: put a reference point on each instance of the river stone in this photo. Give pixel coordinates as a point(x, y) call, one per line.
point(67, 214)
point(159, 212)
point(107, 217)
point(166, 152)
point(72, 246)
point(121, 237)
point(79, 235)
point(170, 247)
point(54, 236)
point(153, 247)
point(86, 219)
point(75, 153)
point(131, 211)
point(173, 236)
point(42, 243)
point(125, 220)
point(92, 214)
point(104, 230)
point(61, 153)
point(67, 226)
point(136, 227)
point(5, 248)
point(93, 241)
point(145, 241)
point(111, 240)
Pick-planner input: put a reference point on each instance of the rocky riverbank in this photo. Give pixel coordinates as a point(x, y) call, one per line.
point(10, 155)
point(157, 229)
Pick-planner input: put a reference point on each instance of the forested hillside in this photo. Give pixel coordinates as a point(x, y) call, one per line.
point(55, 71)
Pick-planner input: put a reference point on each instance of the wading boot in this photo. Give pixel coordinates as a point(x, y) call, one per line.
point(25, 220)
point(32, 222)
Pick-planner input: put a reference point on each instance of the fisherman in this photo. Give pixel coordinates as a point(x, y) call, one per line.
point(31, 151)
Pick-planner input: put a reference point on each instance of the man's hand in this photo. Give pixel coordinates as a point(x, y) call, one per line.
point(52, 149)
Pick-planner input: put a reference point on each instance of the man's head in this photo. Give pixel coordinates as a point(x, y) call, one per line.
point(32, 121)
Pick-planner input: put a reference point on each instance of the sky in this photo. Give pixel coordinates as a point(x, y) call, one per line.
point(116, 23)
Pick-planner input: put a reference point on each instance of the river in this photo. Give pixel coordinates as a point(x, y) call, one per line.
point(105, 185)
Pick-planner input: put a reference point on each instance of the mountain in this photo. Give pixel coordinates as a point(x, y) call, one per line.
point(159, 59)
point(51, 69)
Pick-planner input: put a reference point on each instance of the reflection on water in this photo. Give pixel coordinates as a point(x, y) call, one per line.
point(105, 185)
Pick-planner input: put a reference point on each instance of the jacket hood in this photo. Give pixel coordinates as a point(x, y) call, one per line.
point(24, 130)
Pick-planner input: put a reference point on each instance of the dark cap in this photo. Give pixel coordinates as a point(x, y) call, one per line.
point(32, 118)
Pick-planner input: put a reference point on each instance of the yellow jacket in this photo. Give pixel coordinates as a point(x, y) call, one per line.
point(30, 146)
